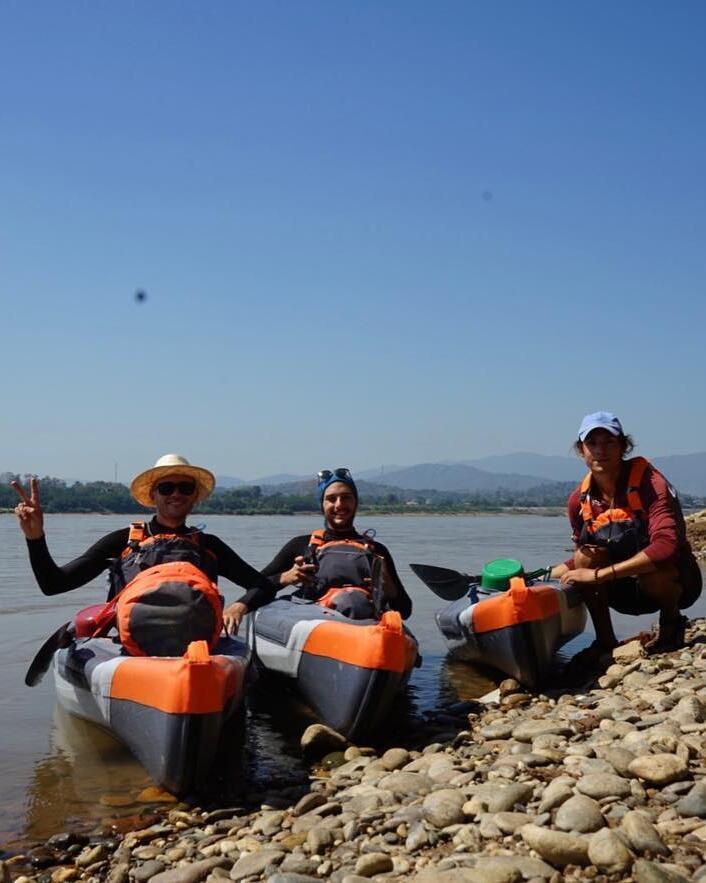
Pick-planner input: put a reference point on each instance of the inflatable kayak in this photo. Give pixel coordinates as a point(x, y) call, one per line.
point(168, 711)
point(347, 671)
point(511, 623)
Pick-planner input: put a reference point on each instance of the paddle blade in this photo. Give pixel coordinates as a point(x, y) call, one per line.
point(62, 637)
point(449, 585)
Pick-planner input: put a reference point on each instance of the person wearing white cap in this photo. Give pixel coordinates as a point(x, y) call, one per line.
point(631, 551)
point(172, 487)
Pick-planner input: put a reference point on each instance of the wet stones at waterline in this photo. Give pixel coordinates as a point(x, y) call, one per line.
point(607, 784)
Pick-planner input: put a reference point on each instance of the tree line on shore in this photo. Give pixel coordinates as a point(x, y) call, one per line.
point(112, 497)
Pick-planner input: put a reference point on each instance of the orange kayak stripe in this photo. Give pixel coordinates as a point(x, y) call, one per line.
point(519, 604)
point(176, 686)
point(367, 646)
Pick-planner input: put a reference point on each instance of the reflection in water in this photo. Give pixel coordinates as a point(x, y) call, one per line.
point(84, 765)
point(88, 778)
point(461, 681)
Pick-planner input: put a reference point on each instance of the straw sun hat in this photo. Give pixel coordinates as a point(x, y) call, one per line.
point(171, 464)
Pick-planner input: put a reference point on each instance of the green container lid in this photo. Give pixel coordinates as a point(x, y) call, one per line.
point(498, 573)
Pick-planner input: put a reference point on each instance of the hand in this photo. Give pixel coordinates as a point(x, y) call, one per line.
point(579, 575)
point(29, 510)
point(300, 573)
point(233, 616)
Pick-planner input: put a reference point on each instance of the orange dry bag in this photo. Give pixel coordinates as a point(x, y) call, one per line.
point(166, 607)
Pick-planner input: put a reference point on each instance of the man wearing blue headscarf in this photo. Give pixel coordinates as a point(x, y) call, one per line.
point(337, 566)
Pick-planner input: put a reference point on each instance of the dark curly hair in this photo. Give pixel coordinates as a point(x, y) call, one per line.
point(627, 442)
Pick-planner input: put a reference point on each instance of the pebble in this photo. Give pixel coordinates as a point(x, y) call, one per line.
point(293, 878)
point(147, 870)
point(580, 814)
point(694, 803)
point(190, 873)
point(255, 863)
point(599, 785)
point(642, 834)
point(527, 730)
point(444, 807)
point(557, 848)
point(505, 798)
point(659, 769)
point(644, 871)
point(373, 863)
point(608, 852)
point(318, 740)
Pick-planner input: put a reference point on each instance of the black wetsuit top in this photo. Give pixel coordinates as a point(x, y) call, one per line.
point(284, 560)
point(53, 580)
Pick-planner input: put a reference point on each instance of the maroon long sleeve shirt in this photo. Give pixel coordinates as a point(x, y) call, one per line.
point(665, 522)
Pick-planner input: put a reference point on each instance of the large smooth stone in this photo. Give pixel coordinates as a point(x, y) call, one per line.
point(556, 847)
point(191, 873)
point(608, 852)
point(659, 769)
point(255, 863)
point(404, 784)
point(504, 799)
point(599, 785)
point(318, 740)
point(444, 807)
point(371, 863)
point(642, 834)
point(528, 730)
point(644, 871)
point(694, 803)
point(580, 814)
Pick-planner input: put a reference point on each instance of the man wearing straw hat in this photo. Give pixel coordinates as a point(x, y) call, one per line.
point(172, 487)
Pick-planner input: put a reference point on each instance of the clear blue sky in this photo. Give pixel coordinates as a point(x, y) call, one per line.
point(369, 232)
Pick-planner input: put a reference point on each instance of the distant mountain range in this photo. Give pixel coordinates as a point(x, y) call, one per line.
point(517, 472)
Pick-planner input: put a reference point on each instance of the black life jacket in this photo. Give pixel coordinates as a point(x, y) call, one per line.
point(622, 532)
point(343, 563)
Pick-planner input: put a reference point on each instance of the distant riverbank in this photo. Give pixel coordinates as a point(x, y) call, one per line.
point(546, 511)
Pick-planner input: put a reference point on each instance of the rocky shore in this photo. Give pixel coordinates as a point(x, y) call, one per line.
point(696, 532)
point(604, 784)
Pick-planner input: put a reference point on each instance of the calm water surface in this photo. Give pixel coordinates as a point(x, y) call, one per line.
point(55, 771)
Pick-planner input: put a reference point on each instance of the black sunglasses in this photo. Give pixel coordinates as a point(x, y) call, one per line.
point(165, 488)
point(341, 472)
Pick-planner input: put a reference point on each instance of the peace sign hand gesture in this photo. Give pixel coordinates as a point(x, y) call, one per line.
point(29, 510)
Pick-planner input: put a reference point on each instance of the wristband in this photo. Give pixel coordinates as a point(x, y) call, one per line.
point(595, 575)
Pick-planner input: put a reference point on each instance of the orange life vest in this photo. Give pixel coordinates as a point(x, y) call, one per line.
point(621, 531)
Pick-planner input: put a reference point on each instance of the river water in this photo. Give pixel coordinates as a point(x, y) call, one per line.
point(57, 772)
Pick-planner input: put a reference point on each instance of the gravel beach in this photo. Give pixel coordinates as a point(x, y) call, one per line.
point(606, 783)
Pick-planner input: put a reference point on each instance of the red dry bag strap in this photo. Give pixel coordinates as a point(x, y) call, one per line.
point(106, 619)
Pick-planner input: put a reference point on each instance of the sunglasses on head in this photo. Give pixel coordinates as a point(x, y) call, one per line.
point(165, 488)
point(341, 472)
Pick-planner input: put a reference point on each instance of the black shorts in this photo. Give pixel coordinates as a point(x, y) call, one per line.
point(625, 595)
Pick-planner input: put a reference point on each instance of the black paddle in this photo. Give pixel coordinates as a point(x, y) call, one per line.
point(61, 638)
point(450, 585)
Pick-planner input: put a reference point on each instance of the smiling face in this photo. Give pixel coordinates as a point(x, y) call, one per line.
point(602, 452)
point(339, 505)
point(173, 508)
